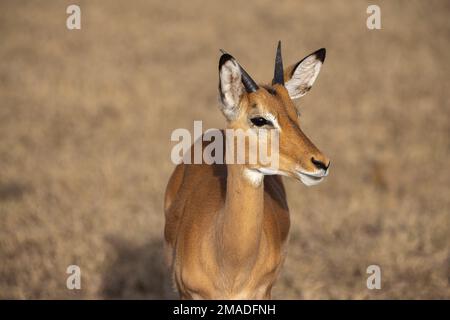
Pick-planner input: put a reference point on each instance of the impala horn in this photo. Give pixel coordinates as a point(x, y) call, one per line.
point(278, 75)
point(249, 84)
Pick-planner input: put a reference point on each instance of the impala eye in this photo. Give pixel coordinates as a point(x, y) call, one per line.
point(260, 121)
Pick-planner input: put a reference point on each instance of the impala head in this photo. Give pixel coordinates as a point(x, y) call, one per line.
point(247, 105)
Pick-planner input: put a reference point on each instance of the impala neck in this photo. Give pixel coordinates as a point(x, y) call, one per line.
point(242, 218)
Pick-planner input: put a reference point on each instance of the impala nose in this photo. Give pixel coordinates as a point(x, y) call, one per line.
point(320, 165)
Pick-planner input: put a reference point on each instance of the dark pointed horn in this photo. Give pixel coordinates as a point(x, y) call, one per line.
point(249, 84)
point(247, 81)
point(278, 75)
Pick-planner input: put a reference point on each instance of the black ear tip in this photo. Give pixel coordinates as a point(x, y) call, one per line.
point(320, 54)
point(224, 58)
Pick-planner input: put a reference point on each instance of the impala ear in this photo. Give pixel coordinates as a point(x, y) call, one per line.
point(301, 76)
point(231, 88)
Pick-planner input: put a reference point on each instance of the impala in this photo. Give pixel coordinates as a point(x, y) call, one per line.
point(227, 224)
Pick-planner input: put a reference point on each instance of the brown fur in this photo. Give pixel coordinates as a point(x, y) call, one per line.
point(225, 236)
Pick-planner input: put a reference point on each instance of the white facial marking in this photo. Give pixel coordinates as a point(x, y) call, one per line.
point(272, 119)
point(309, 180)
point(270, 171)
point(254, 177)
point(312, 178)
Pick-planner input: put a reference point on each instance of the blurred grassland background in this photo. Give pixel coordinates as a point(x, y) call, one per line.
point(86, 118)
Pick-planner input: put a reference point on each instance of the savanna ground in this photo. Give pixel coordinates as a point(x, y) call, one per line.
point(86, 118)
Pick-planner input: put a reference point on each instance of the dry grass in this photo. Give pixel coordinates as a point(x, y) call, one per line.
point(86, 117)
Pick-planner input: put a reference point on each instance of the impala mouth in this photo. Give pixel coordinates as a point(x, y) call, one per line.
point(307, 178)
point(312, 178)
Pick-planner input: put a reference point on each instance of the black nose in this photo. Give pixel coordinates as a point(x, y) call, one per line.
point(320, 164)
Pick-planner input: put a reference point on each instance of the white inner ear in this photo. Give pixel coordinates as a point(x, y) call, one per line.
point(303, 77)
point(232, 88)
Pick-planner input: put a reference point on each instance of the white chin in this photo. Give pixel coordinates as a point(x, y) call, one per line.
point(309, 180)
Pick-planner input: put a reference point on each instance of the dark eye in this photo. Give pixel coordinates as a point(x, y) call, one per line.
point(260, 121)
